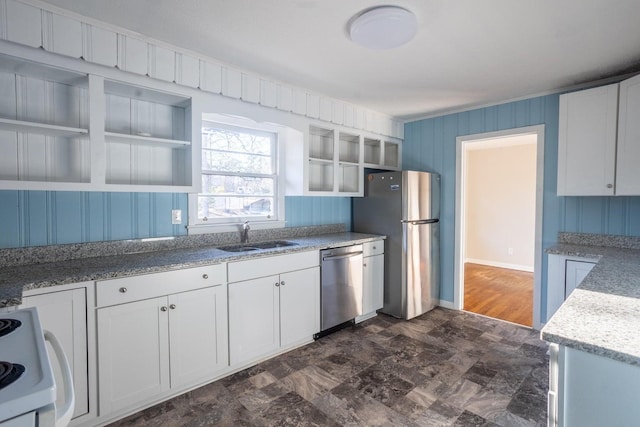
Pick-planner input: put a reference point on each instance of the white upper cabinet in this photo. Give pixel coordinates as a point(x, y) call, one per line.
point(599, 141)
point(628, 172)
point(587, 142)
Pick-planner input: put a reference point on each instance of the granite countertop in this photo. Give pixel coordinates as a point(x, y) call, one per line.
point(18, 278)
point(602, 315)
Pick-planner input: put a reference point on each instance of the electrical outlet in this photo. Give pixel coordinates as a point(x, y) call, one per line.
point(176, 216)
point(510, 251)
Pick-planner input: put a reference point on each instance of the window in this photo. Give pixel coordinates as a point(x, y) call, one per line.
point(239, 175)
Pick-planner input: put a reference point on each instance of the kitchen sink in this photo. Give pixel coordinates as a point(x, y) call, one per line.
point(239, 248)
point(258, 246)
point(274, 244)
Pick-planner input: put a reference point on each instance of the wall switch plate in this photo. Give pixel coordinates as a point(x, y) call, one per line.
point(176, 216)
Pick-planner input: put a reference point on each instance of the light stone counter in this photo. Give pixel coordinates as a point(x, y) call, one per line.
point(14, 279)
point(601, 316)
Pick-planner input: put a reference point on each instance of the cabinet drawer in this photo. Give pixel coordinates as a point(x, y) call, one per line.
point(127, 289)
point(373, 248)
point(268, 266)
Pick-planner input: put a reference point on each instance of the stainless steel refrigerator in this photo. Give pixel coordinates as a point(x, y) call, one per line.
point(404, 206)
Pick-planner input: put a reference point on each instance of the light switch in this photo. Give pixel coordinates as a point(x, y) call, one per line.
point(176, 216)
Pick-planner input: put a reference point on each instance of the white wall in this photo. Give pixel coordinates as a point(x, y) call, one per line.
point(500, 202)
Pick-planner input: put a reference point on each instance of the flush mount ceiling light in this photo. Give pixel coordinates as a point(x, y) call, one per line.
point(383, 27)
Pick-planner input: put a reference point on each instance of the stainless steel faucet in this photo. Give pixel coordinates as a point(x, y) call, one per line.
point(244, 237)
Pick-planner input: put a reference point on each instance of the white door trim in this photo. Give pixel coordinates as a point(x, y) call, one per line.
point(458, 274)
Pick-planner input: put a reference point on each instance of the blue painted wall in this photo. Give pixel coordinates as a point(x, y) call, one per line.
point(430, 145)
point(301, 211)
point(35, 218)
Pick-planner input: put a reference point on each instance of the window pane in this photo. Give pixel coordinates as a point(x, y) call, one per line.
point(236, 140)
point(213, 207)
point(235, 162)
point(237, 185)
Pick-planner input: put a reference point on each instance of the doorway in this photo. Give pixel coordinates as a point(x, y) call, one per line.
point(498, 224)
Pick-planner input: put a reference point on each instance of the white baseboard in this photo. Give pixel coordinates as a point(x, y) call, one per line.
point(500, 264)
point(446, 304)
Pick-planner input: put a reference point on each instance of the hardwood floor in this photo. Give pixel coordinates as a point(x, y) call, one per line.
point(499, 293)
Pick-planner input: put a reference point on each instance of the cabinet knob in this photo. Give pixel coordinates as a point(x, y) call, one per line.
point(123, 290)
point(205, 276)
point(374, 247)
point(282, 283)
point(277, 284)
point(172, 306)
point(163, 308)
point(609, 185)
point(364, 264)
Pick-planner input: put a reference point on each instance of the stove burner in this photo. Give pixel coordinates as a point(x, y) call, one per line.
point(9, 372)
point(8, 325)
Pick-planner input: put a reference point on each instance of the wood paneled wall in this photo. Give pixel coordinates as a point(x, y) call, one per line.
point(430, 145)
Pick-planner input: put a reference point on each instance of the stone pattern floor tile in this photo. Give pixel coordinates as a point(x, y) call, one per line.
point(444, 368)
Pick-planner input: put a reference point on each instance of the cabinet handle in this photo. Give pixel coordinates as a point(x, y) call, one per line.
point(172, 306)
point(163, 308)
point(282, 283)
point(205, 276)
point(123, 290)
point(609, 185)
point(277, 284)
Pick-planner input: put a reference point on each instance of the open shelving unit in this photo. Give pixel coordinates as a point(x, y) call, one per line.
point(67, 130)
point(44, 128)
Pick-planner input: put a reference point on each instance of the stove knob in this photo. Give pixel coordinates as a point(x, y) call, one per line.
point(163, 308)
point(123, 290)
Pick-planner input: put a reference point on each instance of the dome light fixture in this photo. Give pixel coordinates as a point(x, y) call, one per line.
point(383, 27)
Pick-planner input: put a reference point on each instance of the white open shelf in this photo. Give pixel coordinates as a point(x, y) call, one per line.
point(147, 140)
point(40, 128)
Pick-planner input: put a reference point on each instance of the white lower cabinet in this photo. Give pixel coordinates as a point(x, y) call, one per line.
point(272, 312)
point(65, 314)
point(150, 347)
point(564, 274)
point(589, 390)
point(372, 278)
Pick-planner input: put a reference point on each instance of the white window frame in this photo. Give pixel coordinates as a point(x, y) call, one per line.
point(197, 226)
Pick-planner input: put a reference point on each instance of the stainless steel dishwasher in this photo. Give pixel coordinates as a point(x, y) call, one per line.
point(341, 286)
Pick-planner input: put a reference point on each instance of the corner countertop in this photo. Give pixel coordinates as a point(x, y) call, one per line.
point(16, 279)
point(602, 315)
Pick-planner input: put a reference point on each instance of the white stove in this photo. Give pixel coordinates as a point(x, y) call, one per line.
point(27, 384)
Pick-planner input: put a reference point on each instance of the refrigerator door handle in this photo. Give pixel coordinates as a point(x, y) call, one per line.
point(420, 221)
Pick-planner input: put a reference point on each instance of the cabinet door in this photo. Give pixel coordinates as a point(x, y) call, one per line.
point(575, 273)
point(254, 318)
point(587, 142)
point(133, 353)
point(627, 171)
point(197, 335)
point(299, 305)
point(373, 278)
point(65, 314)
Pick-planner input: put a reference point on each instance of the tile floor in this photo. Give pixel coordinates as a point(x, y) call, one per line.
point(444, 368)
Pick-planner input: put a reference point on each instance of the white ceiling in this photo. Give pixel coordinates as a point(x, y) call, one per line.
point(466, 53)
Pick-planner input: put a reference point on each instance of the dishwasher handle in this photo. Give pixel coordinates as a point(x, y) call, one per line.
point(337, 257)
